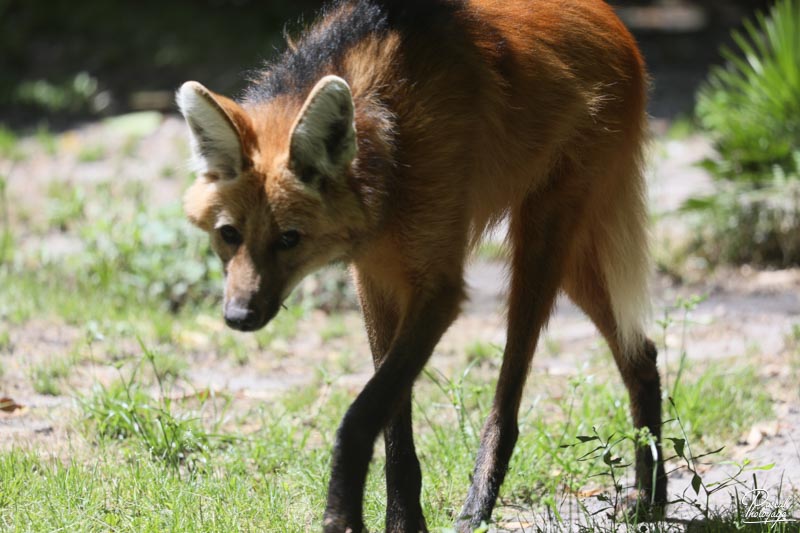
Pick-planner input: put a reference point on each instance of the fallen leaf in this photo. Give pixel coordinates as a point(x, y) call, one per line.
point(8, 405)
point(759, 432)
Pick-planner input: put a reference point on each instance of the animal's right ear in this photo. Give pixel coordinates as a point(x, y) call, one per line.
point(222, 136)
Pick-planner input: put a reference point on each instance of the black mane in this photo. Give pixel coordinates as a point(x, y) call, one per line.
point(325, 44)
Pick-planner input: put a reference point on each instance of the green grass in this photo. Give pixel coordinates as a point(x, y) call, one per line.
point(90, 154)
point(47, 377)
point(9, 142)
point(154, 464)
point(129, 263)
point(66, 206)
point(124, 410)
point(334, 329)
point(6, 231)
point(168, 366)
point(5, 340)
point(46, 139)
point(714, 391)
point(480, 351)
point(101, 497)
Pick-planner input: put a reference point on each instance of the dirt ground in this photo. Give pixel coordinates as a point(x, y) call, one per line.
point(747, 315)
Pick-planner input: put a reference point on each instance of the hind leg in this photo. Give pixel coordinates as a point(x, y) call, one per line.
point(540, 236)
point(585, 285)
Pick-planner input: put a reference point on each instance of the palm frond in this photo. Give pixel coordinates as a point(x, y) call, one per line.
point(751, 105)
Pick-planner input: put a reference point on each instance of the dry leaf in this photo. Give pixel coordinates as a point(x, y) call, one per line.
point(8, 405)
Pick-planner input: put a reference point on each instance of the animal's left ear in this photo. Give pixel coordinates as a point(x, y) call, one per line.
point(221, 132)
point(323, 139)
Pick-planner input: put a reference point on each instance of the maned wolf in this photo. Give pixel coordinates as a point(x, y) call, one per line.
point(391, 136)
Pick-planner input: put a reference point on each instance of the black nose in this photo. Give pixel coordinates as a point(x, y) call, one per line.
point(238, 316)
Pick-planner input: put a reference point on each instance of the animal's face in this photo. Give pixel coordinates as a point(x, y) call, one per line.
point(268, 190)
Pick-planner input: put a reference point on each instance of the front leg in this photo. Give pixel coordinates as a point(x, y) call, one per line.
point(423, 322)
point(403, 472)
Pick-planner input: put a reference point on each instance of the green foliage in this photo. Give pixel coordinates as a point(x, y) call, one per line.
point(66, 204)
point(6, 236)
point(167, 366)
point(5, 340)
point(91, 154)
point(119, 253)
point(752, 105)
point(334, 328)
point(743, 224)
point(125, 410)
point(751, 108)
point(155, 256)
point(480, 351)
point(8, 143)
point(72, 58)
point(73, 94)
point(46, 139)
point(681, 128)
point(47, 376)
point(714, 391)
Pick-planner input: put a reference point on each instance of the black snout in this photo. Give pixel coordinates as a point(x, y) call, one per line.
point(240, 316)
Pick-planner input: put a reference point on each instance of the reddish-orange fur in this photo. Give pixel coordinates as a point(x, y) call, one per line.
point(533, 110)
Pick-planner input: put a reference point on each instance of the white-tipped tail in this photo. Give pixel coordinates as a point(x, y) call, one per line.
point(625, 262)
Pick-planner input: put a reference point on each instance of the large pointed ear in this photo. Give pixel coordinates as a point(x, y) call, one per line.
point(323, 139)
point(221, 133)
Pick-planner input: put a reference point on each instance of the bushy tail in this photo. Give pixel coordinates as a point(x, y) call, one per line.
point(624, 258)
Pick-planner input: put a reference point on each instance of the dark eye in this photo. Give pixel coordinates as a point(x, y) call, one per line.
point(288, 240)
point(230, 235)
